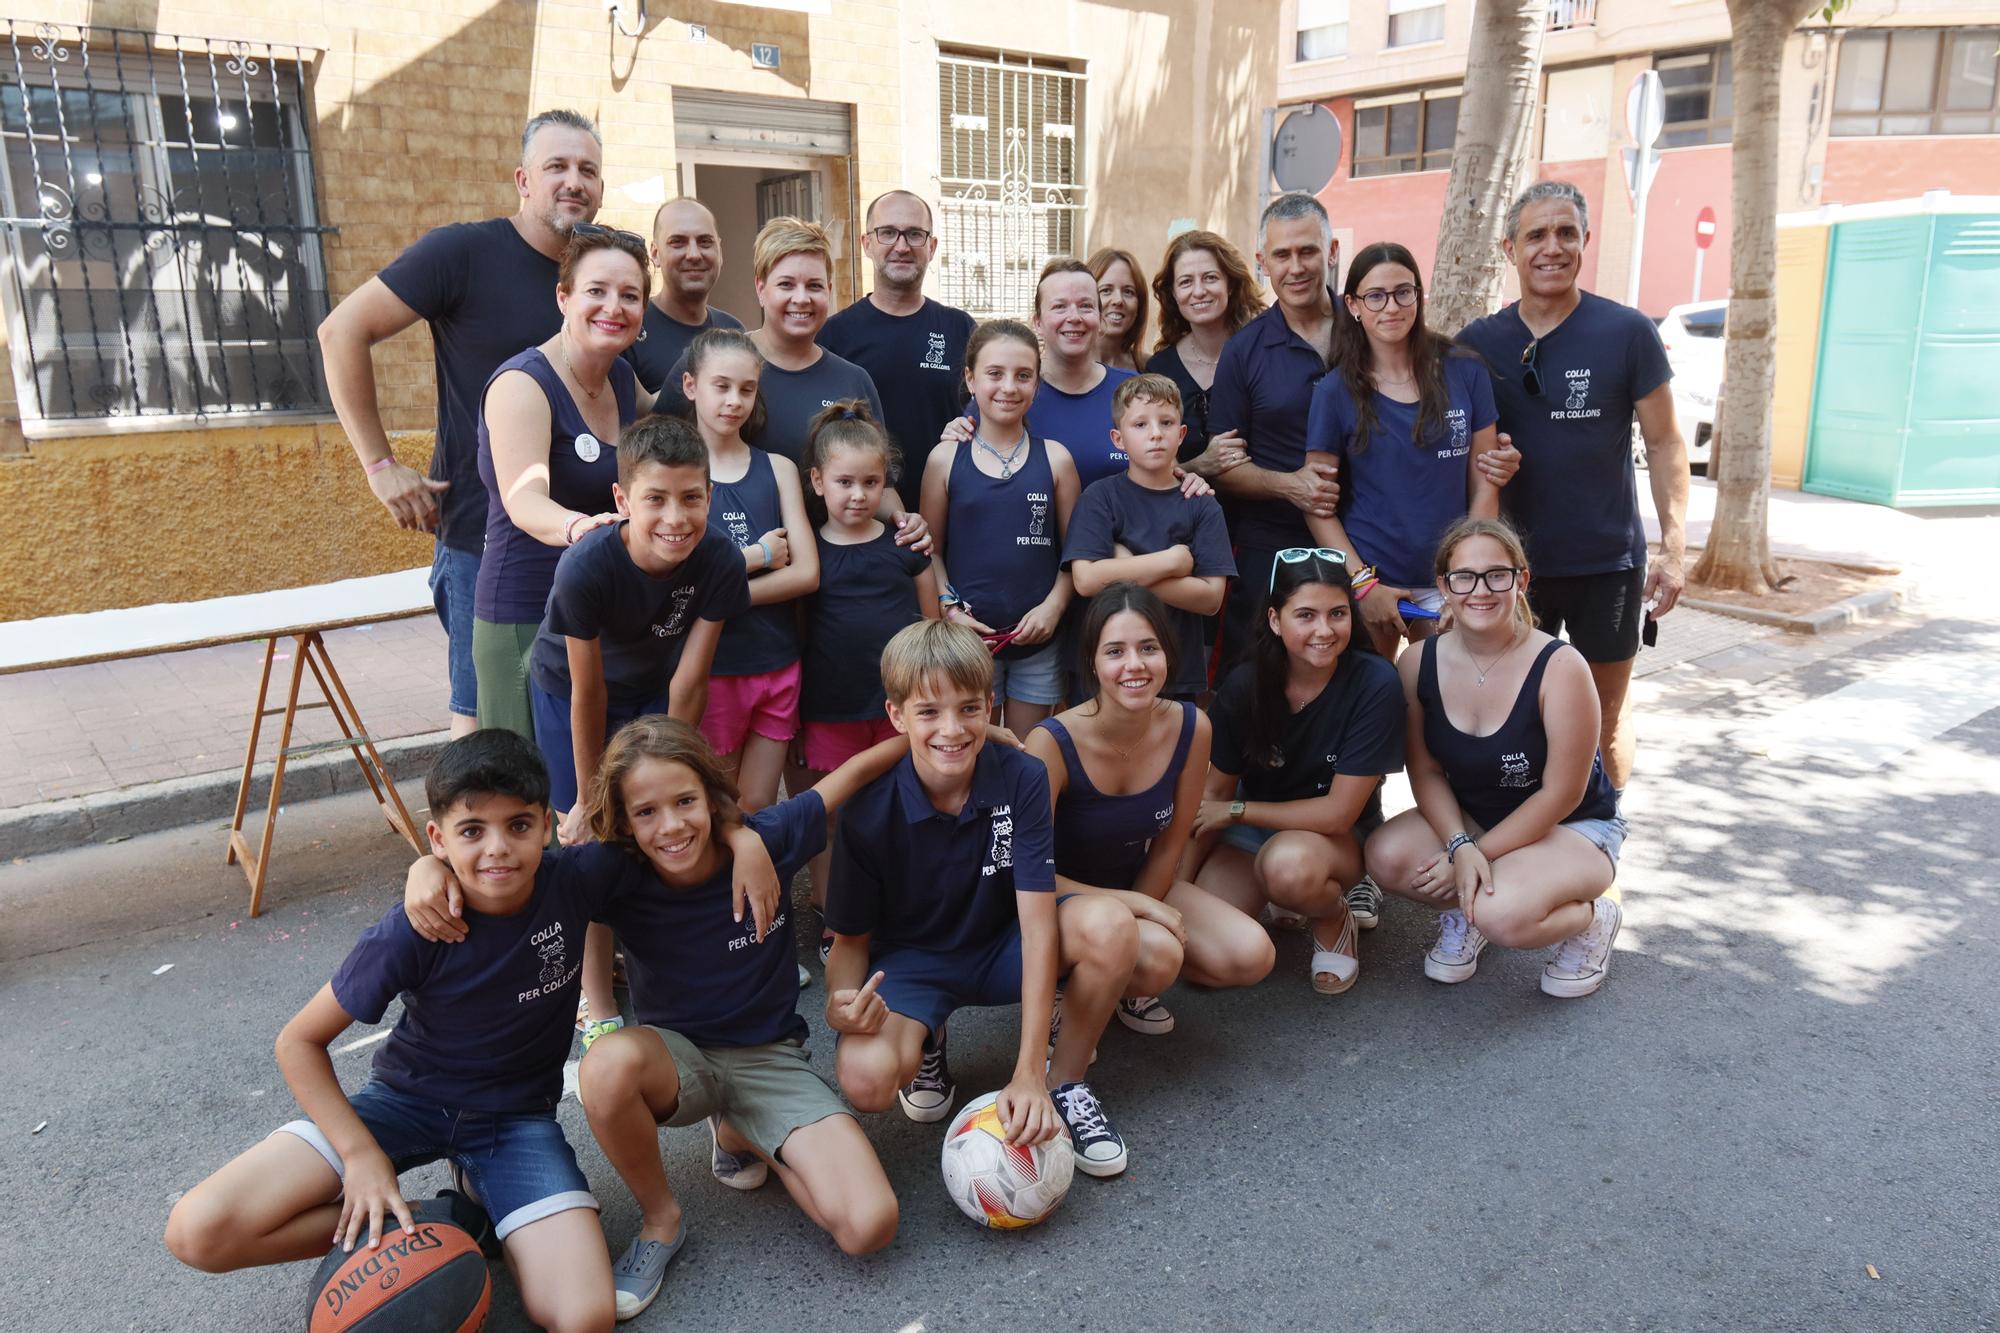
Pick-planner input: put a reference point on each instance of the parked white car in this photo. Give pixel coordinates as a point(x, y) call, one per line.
point(1693, 337)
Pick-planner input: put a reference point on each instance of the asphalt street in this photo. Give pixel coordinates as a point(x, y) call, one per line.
point(1789, 1078)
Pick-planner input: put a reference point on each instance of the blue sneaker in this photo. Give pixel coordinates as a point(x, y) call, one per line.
point(739, 1171)
point(637, 1276)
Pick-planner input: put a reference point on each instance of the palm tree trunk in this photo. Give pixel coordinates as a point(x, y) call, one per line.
point(1738, 551)
point(1496, 113)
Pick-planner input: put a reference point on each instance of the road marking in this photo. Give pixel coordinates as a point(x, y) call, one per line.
point(368, 1040)
point(569, 1079)
point(1873, 722)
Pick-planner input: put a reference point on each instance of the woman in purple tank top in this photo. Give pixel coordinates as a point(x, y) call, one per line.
point(1125, 774)
point(1516, 833)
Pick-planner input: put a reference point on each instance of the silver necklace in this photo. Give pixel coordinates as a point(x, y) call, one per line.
point(1008, 459)
point(1482, 673)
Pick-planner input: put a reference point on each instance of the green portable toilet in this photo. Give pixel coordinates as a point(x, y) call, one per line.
point(1906, 401)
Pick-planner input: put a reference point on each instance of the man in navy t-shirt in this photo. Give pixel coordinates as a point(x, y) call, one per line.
point(1263, 393)
point(912, 347)
point(1571, 371)
point(488, 291)
point(689, 254)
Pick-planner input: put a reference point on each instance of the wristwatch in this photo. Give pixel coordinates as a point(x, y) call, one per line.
point(1236, 812)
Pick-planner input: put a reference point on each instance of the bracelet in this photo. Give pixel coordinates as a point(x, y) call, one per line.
point(1458, 840)
point(948, 597)
point(765, 547)
point(386, 460)
point(569, 528)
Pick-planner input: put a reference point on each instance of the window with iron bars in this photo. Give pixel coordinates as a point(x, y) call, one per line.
point(1010, 166)
point(160, 228)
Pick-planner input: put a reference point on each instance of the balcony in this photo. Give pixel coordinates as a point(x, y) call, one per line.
point(1567, 14)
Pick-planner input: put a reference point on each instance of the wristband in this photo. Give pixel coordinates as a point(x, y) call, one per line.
point(376, 466)
point(1458, 840)
point(569, 528)
point(948, 597)
point(765, 547)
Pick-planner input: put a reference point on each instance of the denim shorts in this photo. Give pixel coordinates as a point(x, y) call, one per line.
point(454, 577)
point(1247, 837)
point(1034, 679)
point(521, 1166)
point(1607, 835)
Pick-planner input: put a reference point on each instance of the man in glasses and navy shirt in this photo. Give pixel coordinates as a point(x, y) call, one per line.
point(1571, 371)
point(911, 346)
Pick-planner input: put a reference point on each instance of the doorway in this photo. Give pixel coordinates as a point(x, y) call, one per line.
point(743, 199)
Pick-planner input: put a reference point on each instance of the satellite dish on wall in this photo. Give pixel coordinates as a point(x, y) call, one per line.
point(1305, 151)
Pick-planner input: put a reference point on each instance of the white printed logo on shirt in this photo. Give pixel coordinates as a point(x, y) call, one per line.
point(1458, 422)
point(934, 354)
point(1576, 406)
point(587, 447)
point(1000, 855)
point(1162, 818)
point(1038, 516)
point(739, 528)
point(556, 970)
point(677, 617)
point(1514, 770)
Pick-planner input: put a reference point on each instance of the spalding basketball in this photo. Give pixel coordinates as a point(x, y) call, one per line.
point(429, 1280)
point(1002, 1184)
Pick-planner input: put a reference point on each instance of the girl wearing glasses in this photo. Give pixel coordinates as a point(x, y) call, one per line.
point(1516, 833)
point(1304, 731)
point(1410, 416)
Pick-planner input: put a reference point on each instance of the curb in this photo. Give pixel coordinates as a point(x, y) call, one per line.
point(1850, 611)
point(108, 816)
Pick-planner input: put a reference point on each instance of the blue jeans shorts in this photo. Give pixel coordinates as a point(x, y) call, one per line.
point(1606, 835)
point(1034, 679)
point(928, 984)
point(521, 1166)
point(454, 577)
point(552, 737)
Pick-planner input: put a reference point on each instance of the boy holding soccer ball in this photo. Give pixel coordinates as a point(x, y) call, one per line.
point(942, 895)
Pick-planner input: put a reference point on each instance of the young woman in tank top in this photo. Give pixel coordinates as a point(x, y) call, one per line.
point(1125, 773)
point(759, 504)
point(997, 505)
point(1516, 833)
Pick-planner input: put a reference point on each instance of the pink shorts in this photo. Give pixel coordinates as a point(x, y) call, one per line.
point(831, 744)
point(766, 703)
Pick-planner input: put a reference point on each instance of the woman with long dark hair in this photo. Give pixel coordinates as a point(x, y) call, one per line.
point(1305, 729)
point(1410, 416)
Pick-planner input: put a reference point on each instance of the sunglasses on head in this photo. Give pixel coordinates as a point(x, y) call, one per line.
point(615, 233)
point(1293, 555)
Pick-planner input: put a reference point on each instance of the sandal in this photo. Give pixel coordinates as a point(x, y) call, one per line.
point(1342, 962)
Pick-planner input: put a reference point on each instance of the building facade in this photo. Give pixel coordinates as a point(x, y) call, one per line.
point(1895, 98)
point(191, 184)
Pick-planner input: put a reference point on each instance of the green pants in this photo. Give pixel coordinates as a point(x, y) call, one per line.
point(500, 660)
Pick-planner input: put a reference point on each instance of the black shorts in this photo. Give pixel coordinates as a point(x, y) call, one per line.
point(1604, 613)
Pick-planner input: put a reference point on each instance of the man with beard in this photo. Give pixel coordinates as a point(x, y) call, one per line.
point(689, 253)
point(911, 346)
point(488, 291)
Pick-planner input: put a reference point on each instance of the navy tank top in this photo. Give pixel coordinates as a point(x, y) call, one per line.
point(764, 638)
point(1492, 775)
point(1102, 840)
point(516, 570)
point(1005, 550)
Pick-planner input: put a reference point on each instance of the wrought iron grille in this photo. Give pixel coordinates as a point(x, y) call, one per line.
point(1010, 166)
point(160, 225)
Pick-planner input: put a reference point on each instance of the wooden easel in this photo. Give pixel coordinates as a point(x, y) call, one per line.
point(309, 651)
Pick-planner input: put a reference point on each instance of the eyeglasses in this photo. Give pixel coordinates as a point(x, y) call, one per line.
point(1294, 555)
point(910, 236)
point(1377, 298)
point(1463, 581)
point(617, 234)
point(1531, 378)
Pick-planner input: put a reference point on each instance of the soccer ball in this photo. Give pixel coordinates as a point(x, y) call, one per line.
point(998, 1184)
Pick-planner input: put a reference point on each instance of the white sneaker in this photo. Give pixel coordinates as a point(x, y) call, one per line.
point(1145, 1013)
point(927, 1098)
point(1455, 956)
point(1580, 963)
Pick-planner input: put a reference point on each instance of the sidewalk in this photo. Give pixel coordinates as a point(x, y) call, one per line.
point(157, 741)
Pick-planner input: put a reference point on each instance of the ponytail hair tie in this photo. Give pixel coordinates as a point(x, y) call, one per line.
point(849, 414)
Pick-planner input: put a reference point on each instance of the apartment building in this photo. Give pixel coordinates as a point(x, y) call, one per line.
point(1894, 98)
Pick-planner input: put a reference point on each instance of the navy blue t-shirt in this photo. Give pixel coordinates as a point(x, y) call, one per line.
point(640, 622)
point(867, 592)
point(1194, 399)
point(516, 569)
point(917, 363)
point(1263, 389)
point(1396, 498)
point(792, 398)
point(910, 875)
point(666, 342)
point(1575, 499)
point(1353, 728)
point(486, 1023)
point(764, 638)
point(1003, 544)
point(698, 971)
point(1120, 510)
point(487, 295)
point(1082, 423)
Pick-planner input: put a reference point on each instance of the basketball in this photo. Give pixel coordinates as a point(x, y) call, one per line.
point(998, 1184)
point(430, 1280)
